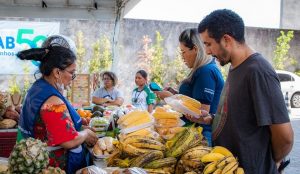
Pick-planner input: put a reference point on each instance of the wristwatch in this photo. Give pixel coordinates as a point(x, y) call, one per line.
point(212, 115)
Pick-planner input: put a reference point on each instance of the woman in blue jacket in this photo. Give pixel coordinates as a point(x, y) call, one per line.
point(204, 82)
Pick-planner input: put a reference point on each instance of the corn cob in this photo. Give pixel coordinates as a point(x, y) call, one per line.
point(166, 115)
point(190, 101)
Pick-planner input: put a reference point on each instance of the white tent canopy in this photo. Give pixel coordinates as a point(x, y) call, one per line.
point(79, 9)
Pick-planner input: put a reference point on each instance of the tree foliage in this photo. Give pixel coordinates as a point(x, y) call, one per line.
point(157, 71)
point(81, 51)
point(94, 62)
point(106, 56)
point(177, 70)
point(101, 59)
point(282, 59)
point(145, 54)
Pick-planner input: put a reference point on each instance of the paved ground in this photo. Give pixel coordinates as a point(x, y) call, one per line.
point(294, 167)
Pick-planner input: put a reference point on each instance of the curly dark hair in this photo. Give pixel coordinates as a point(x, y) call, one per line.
point(221, 22)
point(111, 75)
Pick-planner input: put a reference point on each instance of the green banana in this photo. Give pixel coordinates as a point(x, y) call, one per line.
point(165, 162)
point(181, 145)
point(142, 160)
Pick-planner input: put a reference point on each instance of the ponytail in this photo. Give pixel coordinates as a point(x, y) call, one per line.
point(37, 54)
point(50, 58)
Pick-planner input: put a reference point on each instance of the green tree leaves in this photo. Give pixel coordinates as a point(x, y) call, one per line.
point(282, 59)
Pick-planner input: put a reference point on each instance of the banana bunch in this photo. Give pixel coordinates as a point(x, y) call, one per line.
point(177, 145)
point(190, 161)
point(134, 118)
point(138, 145)
point(221, 161)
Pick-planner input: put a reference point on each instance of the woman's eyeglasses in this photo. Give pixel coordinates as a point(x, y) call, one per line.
point(72, 73)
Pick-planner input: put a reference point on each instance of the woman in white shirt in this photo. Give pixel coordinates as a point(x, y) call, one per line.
point(108, 95)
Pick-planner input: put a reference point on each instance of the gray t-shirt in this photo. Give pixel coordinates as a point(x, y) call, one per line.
point(103, 93)
point(251, 101)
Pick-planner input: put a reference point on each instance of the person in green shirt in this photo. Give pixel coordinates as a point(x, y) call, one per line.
point(142, 97)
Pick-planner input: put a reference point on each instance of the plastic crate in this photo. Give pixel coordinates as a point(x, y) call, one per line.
point(7, 142)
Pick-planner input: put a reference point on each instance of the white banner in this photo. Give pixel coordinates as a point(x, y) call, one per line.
point(16, 36)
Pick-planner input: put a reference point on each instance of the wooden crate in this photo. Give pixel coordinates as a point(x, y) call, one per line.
point(81, 89)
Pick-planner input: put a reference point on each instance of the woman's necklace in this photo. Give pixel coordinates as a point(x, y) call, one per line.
point(18, 100)
point(136, 95)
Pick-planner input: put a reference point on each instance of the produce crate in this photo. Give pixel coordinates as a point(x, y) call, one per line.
point(8, 139)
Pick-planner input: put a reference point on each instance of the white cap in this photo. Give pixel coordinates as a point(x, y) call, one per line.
point(60, 40)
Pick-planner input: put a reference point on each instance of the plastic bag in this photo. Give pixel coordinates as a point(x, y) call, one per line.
point(91, 170)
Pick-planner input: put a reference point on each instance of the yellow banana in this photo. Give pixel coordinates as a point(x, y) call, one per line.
point(239, 170)
point(226, 160)
point(156, 171)
point(212, 157)
point(134, 139)
point(195, 153)
point(179, 169)
point(218, 171)
point(133, 151)
point(149, 146)
point(229, 168)
point(115, 155)
point(192, 163)
point(210, 168)
point(222, 150)
point(145, 143)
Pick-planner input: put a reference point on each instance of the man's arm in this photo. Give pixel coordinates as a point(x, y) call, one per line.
point(282, 140)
